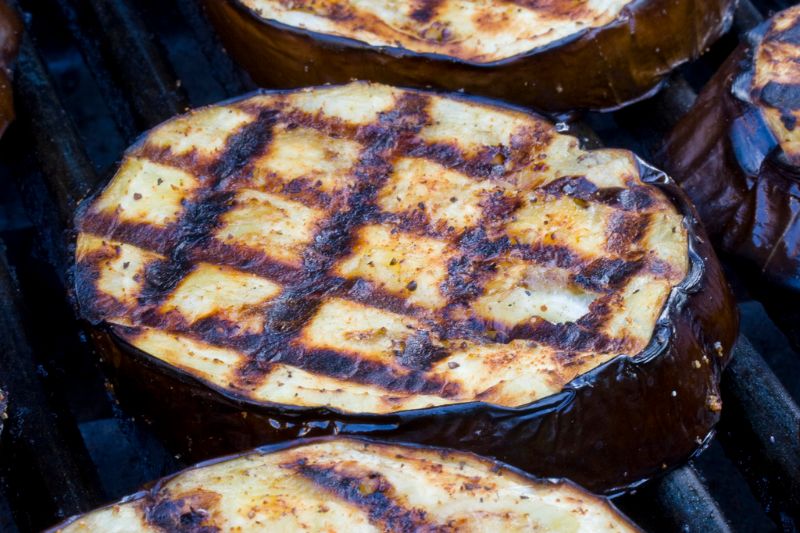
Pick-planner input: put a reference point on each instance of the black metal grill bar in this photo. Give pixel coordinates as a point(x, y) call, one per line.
point(678, 501)
point(760, 429)
point(68, 171)
point(44, 459)
point(93, 57)
point(139, 66)
point(232, 78)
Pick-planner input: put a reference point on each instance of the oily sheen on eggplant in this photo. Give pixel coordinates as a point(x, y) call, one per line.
point(554, 56)
point(365, 259)
point(737, 154)
point(355, 485)
point(10, 34)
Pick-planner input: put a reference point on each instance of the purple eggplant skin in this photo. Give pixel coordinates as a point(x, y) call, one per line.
point(151, 490)
point(10, 36)
point(727, 160)
point(598, 68)
point(609, 430)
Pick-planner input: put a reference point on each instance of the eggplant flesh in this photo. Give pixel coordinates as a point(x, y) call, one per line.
point(737, 155)
point(357, 485)
point(366, 259)
point(555, 56)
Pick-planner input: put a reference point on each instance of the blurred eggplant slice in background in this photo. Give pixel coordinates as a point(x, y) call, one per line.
point(554, 56)
point(355, 485)
point(737, 155)
point(364, 259)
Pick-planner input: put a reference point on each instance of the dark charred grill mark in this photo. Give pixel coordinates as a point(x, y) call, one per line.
point(371, 492)
point(95, 305)
point(419, 352)
point(549, 255)
point(781, 95)
point(635, 198)
point(625, 230)
point(158, 239)
point(604, 274)
point(349, 367)
point(247, 260)
point(424, 10)
point(489, 163)
point(244, 145)
point(567, 337)
point(499, 206)
point(183, 515)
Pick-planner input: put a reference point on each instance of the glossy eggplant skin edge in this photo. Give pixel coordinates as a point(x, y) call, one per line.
point(599, 68)
point(608, 430)
point(153, 488)
point(10, 35)
point(727, 160)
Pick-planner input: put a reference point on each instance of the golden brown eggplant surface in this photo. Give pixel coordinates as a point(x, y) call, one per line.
point(363, 250)
point(737, 154)
point(555, 55)
point(355, 485)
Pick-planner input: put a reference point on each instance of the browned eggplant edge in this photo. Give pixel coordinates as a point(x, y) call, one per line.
point(665, 399)
point(590, 69)
point(10, 37)
point(496, 467)
point(726, 158)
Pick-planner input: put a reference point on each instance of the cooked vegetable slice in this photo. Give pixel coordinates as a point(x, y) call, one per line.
point(373, 251)
point(557, 55)
point(10, 34)
point(737, 154)
point(333, 485)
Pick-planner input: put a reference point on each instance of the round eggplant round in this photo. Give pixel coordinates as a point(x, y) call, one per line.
point(737, 155)
point(364, 259)
point(555, 56)
point(355, 485)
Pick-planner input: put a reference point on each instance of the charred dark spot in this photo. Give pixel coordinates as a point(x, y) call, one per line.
point(424, 10)
point(373, 493)
point(636, 198)
point(463, 279)
point(573, 186)
point(604, 274)
point(499, 206)
point(789, 121)
point(781, 95)
point(625, 230)
point(567, 336)
point(549, 254)
point(477, 243)
point(161, 278)
point(358, 369)
point(248, 142)
point(179, 517)
point(419, 352)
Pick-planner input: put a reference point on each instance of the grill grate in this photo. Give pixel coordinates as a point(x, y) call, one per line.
point(92, 74)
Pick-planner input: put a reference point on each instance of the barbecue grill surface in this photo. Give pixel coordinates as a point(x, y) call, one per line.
point(92, 75)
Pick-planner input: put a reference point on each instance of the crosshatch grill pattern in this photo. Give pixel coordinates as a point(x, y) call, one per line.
point(374, 249)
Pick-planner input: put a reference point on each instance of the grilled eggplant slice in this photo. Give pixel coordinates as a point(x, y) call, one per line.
point(371, 260)
point(555, 56)
point(737, 155)
point(10, 34)
point(356, 485)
